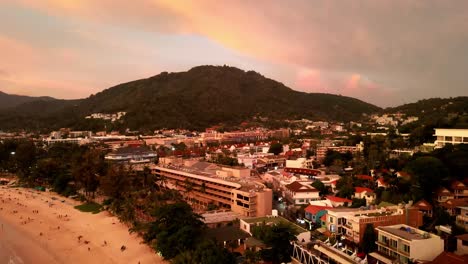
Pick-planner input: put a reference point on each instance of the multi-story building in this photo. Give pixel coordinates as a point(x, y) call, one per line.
point(403, 243)
point(132, 155)
point(204, 183)
point(462, 218)
point(300, 163)
point(321, 151)
point(351, 222)
point(450, 136)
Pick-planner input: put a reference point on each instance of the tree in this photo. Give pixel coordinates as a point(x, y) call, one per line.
point(323, 190)
point(176, 229)
point(278, 238)
point(358, 203)
point(87, 170)
point(25, 157)
point(331, 157)
point(207, 252)
point(427, 174)
point(276, 148)
point(368, 239)
point(115, 183)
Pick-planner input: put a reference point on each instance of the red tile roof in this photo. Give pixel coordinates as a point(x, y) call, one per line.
point(324, 217)
point(337, 199)
point(457, 185)
point(423, 205)
point(449, 258)
point(452, 203)
point(362, 189)
point(463, 237)
point(314, 209)
point(365, 177)
point(443, 191)
point(403, 174)
point(381, 181)
point(297, 187)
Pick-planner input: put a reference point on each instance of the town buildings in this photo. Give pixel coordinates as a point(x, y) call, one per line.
point(132, 155)
point(351, 222)
point(247, 225)
point(204, 183)
point(321, 151)
point(404, 243)
point(450, 136)
point(462, 218)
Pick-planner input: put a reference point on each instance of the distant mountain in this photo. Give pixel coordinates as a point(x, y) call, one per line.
point(433, 107)
point(196, 99)
point(12, 100)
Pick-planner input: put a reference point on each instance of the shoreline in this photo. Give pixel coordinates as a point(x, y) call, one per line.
point(38, 228)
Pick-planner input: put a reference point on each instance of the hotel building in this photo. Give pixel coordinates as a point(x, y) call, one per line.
point(204, 183)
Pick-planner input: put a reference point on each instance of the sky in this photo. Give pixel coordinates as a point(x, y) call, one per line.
point(385, 52)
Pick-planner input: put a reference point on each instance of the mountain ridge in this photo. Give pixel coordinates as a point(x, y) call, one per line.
point(198, 98)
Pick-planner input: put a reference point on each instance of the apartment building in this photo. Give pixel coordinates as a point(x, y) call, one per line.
point(450, 136)
point(321, 152)
point(403, 243)
point(462, 219)
point(204, 183)
point(352, 222)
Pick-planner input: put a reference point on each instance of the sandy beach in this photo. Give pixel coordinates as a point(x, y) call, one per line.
point(38, 229)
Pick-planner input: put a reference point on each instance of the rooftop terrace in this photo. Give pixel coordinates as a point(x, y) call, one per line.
point(406, 232)
point(274, 220)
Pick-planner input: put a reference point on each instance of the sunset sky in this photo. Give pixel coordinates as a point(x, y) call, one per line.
point(383, 52)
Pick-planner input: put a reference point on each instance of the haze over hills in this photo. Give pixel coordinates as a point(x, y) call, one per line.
point(201, 97)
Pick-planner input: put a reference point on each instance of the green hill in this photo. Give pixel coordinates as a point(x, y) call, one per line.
point(196, 99)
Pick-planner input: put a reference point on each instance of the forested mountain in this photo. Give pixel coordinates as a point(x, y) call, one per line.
point(196, 99)
point(433, 107)
point(12, 100)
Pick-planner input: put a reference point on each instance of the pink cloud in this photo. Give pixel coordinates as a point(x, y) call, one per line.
point(354, 85)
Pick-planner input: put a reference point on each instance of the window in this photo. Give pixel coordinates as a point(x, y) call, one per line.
point(465, 243)
point(406, 248)
point(331, 220)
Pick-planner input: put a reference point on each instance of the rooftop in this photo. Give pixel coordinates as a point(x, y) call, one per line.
point(273, 220)
point(406, 232)
point(245, 184)
point(217, 217)
point(449, 258)
point(226, 233)
point(298, 187)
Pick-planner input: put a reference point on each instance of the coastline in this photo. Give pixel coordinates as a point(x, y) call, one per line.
point(39, 228)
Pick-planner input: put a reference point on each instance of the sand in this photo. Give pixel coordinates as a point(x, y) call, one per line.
point(37, 229)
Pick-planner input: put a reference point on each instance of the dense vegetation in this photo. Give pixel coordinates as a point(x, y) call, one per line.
point(196, 99)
